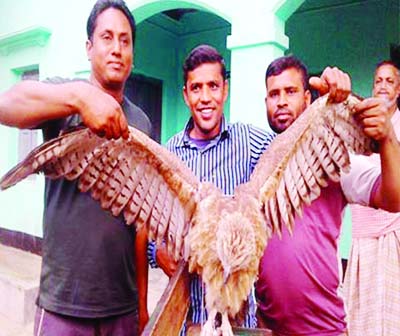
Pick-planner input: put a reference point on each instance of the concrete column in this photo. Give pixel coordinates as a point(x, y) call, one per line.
point(254, 43)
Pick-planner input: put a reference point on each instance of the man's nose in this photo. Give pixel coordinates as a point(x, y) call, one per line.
point(282, 100)
point(116, 46)
point(205, 94)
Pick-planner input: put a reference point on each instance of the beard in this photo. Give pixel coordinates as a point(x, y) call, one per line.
point(280, 126)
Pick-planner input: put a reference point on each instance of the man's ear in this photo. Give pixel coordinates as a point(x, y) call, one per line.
point(185, 96)
point(226, 90)
point(89, 46)
point(307, 97)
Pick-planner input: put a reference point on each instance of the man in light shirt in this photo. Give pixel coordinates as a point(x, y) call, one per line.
point(372, 281)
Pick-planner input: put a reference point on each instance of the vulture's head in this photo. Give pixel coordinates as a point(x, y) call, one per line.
point(235, 243)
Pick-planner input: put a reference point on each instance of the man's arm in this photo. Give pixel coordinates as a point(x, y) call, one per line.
point(30, 103)
point(142, 275)
point(373, 114)
point(158, 257)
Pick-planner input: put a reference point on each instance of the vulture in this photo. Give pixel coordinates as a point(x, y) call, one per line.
point(222, 237)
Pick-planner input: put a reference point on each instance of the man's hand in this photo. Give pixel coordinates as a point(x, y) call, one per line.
point(334, 81)
point(165, 261)
point(102, 113)
point(373, 115)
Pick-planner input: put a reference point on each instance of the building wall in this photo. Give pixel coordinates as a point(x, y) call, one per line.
point(353, 37)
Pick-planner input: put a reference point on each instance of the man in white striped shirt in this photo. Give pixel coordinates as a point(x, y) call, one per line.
point(214, 149)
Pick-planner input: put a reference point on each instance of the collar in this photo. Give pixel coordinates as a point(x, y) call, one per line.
point(223, 133)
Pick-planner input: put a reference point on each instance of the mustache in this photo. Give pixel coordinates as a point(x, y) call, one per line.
point(282, 110)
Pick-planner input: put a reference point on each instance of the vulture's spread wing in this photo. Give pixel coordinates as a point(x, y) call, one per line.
point(299, 161)
point(136, 177)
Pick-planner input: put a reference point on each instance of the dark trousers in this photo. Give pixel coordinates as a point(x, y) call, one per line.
point(51, 324)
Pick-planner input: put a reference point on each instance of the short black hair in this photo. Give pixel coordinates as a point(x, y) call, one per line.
point(200, 55)
point(102, 5)
point(286, 62)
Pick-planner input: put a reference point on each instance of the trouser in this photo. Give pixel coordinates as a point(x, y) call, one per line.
point(51, 324)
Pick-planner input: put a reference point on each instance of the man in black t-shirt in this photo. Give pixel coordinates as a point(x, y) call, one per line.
point(94, 268)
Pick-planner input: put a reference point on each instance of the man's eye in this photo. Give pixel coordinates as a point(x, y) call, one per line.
point(125, 42)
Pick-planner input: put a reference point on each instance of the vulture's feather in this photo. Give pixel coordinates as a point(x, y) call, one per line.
point(224, 237)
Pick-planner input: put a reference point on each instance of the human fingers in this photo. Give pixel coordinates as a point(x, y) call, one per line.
point(101, 133)
point(330, 77)
point(343, 86)
point(376, 132)
point(115, 129)
point(109, 133)
point(372, 120)
point(165, 262)
point(373, 116)
point(123, 124)
point(318, 84)
point(368, 104)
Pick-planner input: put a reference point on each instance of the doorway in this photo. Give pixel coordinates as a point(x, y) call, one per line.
point(146, 92)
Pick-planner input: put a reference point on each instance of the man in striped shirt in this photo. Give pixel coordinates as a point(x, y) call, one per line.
point(215, 150)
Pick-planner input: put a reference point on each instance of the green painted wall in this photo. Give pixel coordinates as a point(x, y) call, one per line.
point(353, 37)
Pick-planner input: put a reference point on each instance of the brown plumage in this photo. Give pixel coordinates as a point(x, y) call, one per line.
point(222, 237)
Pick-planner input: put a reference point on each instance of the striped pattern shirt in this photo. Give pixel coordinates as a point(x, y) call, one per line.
point(227, 161)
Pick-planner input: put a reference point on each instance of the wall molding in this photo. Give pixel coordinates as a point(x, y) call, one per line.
point(31, 36)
